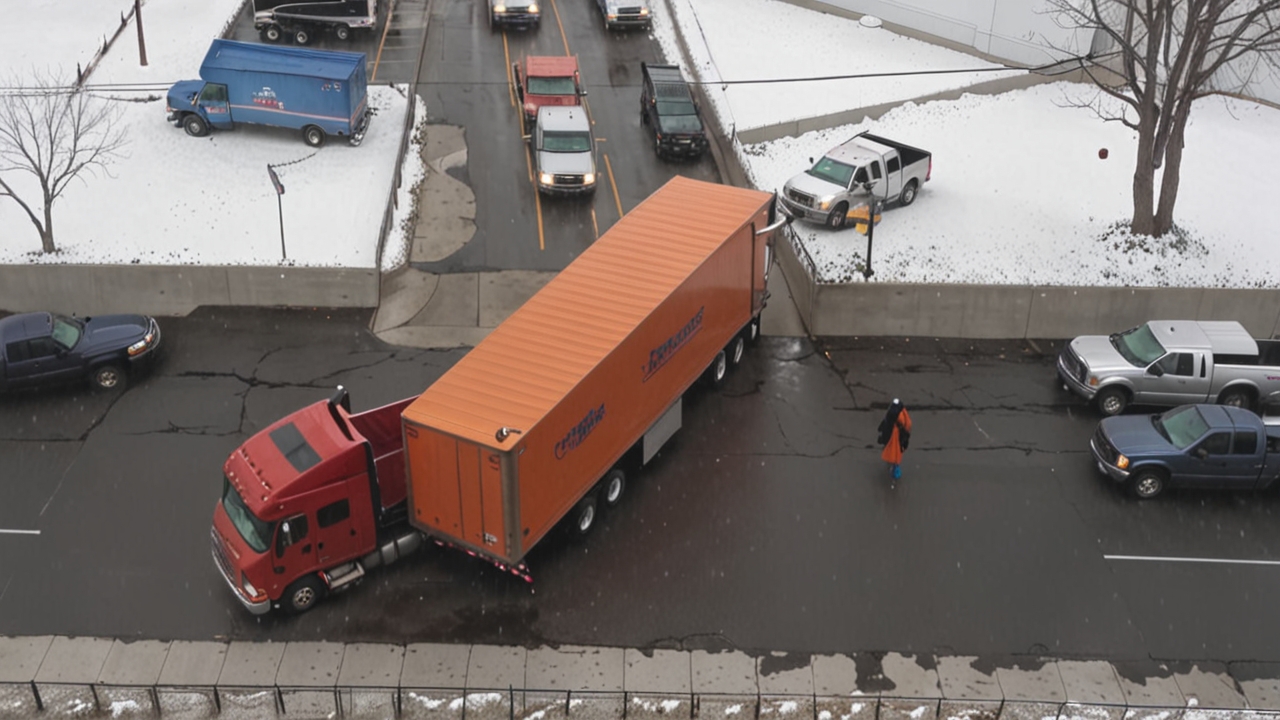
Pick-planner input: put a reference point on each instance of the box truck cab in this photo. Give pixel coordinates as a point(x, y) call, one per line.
point(541, 425)
point(318, 92)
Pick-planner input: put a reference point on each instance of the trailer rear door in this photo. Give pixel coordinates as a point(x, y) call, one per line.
point(463, 500)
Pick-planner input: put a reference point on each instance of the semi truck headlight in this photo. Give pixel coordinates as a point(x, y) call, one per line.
point(1122, 462)
point(588, 179)
point(546, 179)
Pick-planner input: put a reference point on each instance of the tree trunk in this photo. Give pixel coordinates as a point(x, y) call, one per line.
point(1172, 176)
point(46, 231)
point(1144, 182)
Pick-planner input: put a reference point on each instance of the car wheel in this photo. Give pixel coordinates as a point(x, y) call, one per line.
point(195, 125)
point(908, 195)
point(313, 135)
point(584, 515)
point(1147, 484)
point(615, 484)
point(718, 368)
point(302, 37)
point(343, 32)
point(303, 594)
point(271, 33)
point(1237, 398)
point(837, 217)
point(1112, 401)
point(107, 377)
point(737, 348)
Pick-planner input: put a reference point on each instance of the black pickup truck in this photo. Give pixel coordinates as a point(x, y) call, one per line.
point(41, 348)
point(668, 109)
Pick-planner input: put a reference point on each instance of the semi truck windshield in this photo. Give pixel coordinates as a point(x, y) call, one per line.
point(257, 533)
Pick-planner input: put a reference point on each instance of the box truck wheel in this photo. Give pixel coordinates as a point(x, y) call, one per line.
point(737, 348)
point(313, 135)
point(615, 483)
point(271, 33)
point(195, 125)
point(343, 32)
point(584, 515)
point(718, 368)
point(303, 594)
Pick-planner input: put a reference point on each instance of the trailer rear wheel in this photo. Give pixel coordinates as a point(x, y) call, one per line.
point(584, 515)
point(313, 135)
point(271, 33)
point(343, 32)
point(737, 348)
point(303, 594)
point(615, 484)
point(195, 125)
point(718, 368)
point(302, 36)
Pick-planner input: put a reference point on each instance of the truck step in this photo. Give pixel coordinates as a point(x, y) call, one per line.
point(344, 575)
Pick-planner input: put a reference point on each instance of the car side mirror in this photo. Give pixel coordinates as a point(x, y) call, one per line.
point(1155, 370)
point(1202, 453)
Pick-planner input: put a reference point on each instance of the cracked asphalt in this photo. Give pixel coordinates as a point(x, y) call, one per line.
point(769, 522)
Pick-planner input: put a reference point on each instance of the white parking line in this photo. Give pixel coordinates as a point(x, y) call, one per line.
point(4, 531)
point(1220, 561)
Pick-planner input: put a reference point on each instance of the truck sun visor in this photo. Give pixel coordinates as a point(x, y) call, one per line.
point(294, 447)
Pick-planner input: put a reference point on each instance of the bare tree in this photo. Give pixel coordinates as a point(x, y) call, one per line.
point(55, 133)
point(1166, 54)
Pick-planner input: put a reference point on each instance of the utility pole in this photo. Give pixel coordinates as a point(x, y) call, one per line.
point(142, 43)
point(275, 180)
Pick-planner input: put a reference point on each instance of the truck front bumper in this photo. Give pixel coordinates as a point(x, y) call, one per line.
point(1105, 467)
point(1067, 373)
point(800, 211)
point(224, 569)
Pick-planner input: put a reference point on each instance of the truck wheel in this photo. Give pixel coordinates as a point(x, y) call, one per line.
point(106, 377)
point(195, 125)
point(313, 135)
point(615, 484)
point(837, 217)
point(908, 195)
point(737, 348)
point(303, 594)
point(718, 368)
point(301, 36)
point(753, 329)
point(1147, 484)
point(342, 32)
point(1112, 401)
point(1236, 397)
point(271, 33)
point(584, 515)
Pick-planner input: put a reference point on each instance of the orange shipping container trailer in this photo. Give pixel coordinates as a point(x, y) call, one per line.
point(524, 428)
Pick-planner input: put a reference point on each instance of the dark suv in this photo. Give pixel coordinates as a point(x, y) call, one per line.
point(668, 109)
point(43, 348)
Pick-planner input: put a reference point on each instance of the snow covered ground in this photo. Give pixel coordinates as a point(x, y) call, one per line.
point(1018, 195)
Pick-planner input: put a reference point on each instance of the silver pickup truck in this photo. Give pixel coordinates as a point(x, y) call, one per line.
point(1172, 362)
point(839, 181)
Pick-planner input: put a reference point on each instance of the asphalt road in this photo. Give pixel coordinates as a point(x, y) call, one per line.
point(769, 523)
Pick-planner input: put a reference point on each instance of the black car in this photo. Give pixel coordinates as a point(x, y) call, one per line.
point(41, 348)
point(668, 109)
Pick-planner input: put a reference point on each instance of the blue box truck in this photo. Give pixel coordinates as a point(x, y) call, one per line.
point(319, 92)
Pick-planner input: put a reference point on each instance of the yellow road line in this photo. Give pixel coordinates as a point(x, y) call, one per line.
point(594, 226)
point(381, 42)
point(613, 186)
point(511, 82)
point(564, 38)
point(537, 201)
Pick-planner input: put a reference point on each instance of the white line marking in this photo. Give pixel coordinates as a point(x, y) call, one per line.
point(1220, 561)
point(4, 531)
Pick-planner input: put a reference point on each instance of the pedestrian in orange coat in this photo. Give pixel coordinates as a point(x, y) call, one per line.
point(895, 433)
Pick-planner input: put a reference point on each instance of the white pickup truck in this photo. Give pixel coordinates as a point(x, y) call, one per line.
point(849, 174)
point(1172, 362)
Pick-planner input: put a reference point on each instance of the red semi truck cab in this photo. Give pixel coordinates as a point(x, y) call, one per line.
point(310, 502)
point(546, 80)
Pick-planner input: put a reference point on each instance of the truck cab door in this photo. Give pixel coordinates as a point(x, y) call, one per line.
point(893, 175)
point(1171, 380)
point(1210, 463)
point(337, 537)
point(214, 105)
point(294, 553)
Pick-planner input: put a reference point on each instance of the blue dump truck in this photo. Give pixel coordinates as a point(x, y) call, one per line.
point(319, 92)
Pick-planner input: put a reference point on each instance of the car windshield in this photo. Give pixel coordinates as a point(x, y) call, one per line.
point(567, 142)
point(1138, 346)
point(257, 533)
point(552, 86)
point(66, 331)
point(1181, 426)
point(680, 123)
point(832, 171)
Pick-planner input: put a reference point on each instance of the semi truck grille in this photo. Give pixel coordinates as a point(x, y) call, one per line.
point(1105, 448)
point(800, 198)
point(220, 556)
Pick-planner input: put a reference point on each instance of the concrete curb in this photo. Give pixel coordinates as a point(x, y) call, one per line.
point(66, 677)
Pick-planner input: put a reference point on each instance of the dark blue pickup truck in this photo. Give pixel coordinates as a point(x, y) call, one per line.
point(41, 348)
point(1204, 446)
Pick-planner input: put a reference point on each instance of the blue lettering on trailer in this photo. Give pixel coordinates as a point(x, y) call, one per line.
point(659, 356)
point(578, 433)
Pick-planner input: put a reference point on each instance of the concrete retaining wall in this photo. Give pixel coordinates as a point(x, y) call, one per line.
point(177, 290)
point(1011, 311)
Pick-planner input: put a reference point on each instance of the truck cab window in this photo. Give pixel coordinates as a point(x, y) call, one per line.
point(860, 176)
point(17, 351)
point(894, 164)
point(213, 92)
point(40, 347)
point(1245, 443)
point(1178, 364)
point(875, 171)
point(333, 513)
point(292, 532)
point(1215, 444)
